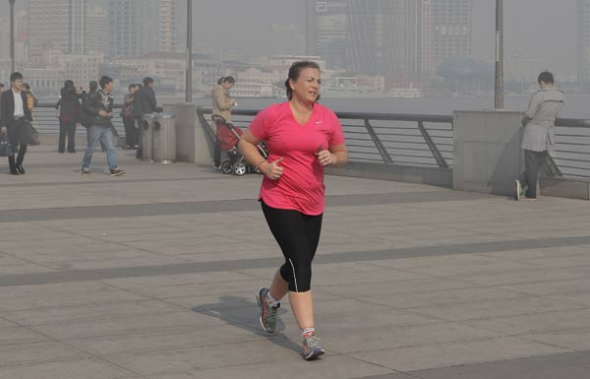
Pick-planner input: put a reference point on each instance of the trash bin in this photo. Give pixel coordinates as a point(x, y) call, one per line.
point(164, 139)
point(147, 137)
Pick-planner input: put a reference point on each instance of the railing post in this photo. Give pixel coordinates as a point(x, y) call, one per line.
point(432, 146)
point(378, 144)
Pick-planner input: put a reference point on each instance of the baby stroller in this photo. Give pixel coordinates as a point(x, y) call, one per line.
point(228, 137)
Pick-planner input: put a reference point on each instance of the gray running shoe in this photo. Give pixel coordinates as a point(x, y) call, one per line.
point(268, 314)
point(311, 347)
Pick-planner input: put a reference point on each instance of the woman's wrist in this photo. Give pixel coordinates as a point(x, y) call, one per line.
point(259, 164)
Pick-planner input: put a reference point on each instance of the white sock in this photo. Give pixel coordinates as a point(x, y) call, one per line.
point(271, 300)
point(307, 332)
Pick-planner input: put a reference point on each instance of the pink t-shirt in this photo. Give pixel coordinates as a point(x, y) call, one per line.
point(301, 187)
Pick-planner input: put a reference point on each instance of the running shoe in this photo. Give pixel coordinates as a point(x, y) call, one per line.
point(311, 347)
point(268, 314)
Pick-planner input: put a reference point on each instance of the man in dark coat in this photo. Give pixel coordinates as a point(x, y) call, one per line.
point(144, 103)
point(15, 116)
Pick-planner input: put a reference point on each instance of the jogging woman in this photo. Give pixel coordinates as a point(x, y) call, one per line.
point(302, 137)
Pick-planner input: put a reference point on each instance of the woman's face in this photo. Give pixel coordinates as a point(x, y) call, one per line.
point(227, 85)
point(307, 86)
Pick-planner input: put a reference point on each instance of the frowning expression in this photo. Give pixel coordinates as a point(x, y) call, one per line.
point(307, 86)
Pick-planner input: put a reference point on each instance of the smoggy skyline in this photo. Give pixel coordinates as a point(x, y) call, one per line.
point(541, 29)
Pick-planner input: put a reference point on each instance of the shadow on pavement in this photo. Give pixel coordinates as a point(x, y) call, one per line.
point(243, 313)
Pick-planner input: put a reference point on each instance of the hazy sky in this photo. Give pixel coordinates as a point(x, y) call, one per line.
point(542, 29)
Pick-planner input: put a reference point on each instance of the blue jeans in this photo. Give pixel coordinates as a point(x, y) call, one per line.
point(105, 136)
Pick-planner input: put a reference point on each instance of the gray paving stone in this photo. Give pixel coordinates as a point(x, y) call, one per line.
point(456, 353)
point(329, 367)
point(37, 352)
point(563, 366)
point(70, 368)
point(126, 325)
point(536, 323)
point(159, 281)
point(496, 308)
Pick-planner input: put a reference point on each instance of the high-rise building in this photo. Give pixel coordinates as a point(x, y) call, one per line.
point(97, 25)
point(4, 37)
point(56, 24)
point(451, 21)
point(419, 53)
point(141, 26)
point(376, 43)
point(327, 31)
point(583, 40)
point(168, 22)
point(134, 27)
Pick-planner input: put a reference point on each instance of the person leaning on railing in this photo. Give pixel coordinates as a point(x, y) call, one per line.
point(539, 135)
point(302, 138)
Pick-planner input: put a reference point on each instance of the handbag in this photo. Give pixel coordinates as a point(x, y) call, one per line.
point(5, 148)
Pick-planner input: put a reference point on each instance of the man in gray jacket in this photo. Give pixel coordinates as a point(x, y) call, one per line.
point(539, 135)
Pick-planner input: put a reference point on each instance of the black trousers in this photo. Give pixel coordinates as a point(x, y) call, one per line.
point(130, 131)
point(18, 138)
point(298, 235)
point(533, 162)
point(139, 151)
point(67, 129)
point(216, 153)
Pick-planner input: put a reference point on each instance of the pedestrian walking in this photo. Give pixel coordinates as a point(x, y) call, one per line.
point(539, 135)
point(14, 120)
point(302, 138)
point(222, 105)
point(69, 109)
point(99, 106)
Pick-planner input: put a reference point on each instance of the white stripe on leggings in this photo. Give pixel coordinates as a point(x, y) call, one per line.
point(294, 276)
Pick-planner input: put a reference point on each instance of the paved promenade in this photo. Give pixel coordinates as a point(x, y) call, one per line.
point(152, 275)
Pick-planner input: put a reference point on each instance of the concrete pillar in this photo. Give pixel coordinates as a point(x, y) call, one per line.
point(191, 142)
point(487, 153)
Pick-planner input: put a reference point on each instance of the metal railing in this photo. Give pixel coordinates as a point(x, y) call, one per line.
point(572, 150)
point(46, 122)
point(395, 139)
point(401, 139)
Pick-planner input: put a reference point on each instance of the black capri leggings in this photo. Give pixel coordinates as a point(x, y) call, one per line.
point(298, 235)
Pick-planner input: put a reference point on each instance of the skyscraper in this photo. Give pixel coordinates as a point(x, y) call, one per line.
point(141, 26)
point(451, 29)
point(376, 42)
point(419, 37)
point(327, 31)
point(168, 36)
point(56, 24)
point(97, 24)
point(134, 27)
point(583, 40)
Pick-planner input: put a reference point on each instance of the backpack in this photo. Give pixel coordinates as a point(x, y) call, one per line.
point(85, 118)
